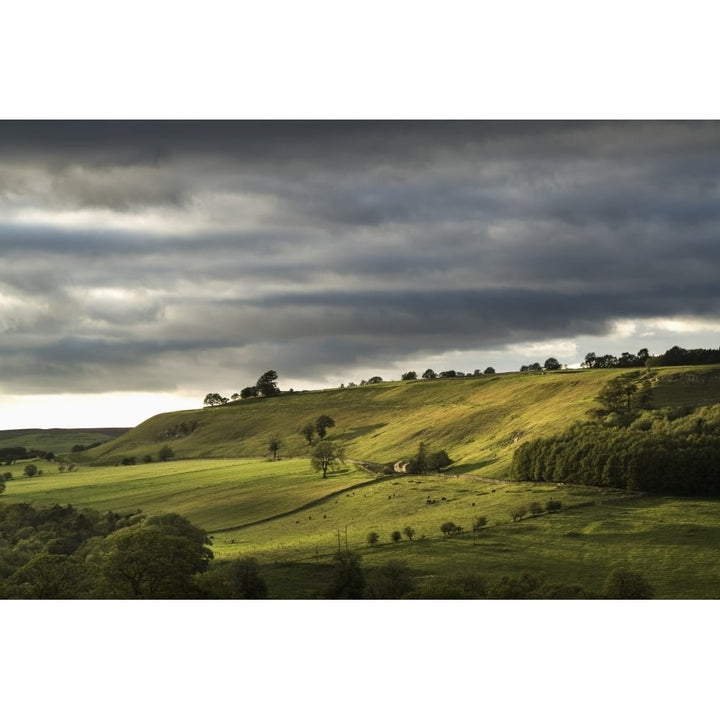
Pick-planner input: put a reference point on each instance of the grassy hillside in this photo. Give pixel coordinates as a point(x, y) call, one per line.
point(478, 421)
point(57, 439)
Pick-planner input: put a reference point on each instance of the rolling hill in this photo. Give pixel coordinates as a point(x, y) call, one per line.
point(57, 440)
point(477, 420)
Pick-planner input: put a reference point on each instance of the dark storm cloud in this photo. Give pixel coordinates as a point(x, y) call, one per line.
point(129, 248)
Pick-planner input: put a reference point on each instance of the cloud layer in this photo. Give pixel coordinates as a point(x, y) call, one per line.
point(158, 256)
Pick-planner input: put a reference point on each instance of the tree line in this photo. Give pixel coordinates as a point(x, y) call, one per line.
point(266, 386)
point(625, 445)
point(394, 580)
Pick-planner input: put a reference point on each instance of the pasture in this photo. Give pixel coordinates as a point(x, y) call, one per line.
point(292, 521)
point(671, 541)
point(213, 494)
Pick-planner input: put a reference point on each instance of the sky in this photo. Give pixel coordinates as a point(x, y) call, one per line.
point(146, 264)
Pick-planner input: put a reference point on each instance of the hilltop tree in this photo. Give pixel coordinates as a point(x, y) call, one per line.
point(215, 399)
point(489, 371)
point(308, 431)
point(326, 455)
point(552, 364)
point(429, 374)
point(411, 375)
point(267, 384)
point(248, 392)
point(322, 424)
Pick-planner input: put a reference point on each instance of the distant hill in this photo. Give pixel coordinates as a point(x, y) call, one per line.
point(477, 420)
point(58, 440)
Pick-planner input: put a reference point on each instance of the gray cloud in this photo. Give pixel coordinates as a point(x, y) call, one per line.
point(141, 255)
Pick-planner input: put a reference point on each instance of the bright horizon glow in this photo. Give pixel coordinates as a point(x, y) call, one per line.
point(88, 411)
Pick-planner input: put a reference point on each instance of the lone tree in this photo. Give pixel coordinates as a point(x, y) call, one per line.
point(165, 453)
point(409, 532)
point(419, 465)
point(326, 455)
point(322, 424)
point(372, 538)
point(450, 528)
point(30, 470)
point(214, 399)
point(267, 384)
point(274, 446)
point(396, 536)
point(308, 430)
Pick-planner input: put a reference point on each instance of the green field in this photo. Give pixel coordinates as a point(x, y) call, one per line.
point(213, 494)
point(292, 521)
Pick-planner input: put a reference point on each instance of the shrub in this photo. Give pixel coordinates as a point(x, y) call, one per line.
point(553, 505)
point(479, 523)
point(536, 508)
point(392, 581)
point(409, 532)
point(372, 538)
point(518, 513)
point(623, 584)
point(450, 528)
point(396, 536)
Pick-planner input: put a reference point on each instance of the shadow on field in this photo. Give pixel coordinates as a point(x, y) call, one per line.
point(358, 432)
point(470, 468)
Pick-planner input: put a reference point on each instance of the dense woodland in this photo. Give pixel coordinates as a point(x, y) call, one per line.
point(61, 552)
point(625, 445)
